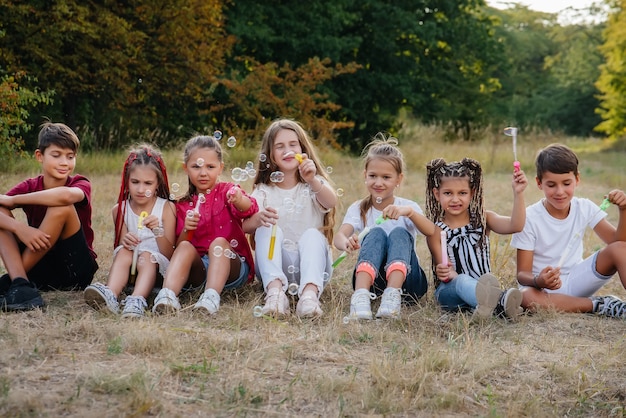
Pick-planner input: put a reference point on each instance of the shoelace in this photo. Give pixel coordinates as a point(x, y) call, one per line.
point(362, 299)
point(615, 308)
point(134, 303)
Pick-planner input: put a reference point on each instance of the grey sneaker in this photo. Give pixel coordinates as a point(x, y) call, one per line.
point(361, 305)
point(509, 304)
point(390, 303)
point(98, 295)
point(134, 307)
point(210, 300)
point(165, 302)
point(488, 292)
point(609, 306)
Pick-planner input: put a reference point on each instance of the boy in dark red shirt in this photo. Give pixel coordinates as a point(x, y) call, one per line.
point(55, 249)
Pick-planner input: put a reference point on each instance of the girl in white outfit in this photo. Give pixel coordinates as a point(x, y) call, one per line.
point(145, 230)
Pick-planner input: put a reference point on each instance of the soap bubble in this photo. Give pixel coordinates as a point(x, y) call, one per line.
point(291, 269)
point(325, 277)
point(340, 192)
point(200, 162)
point(158, 231)
point(147, 193)
point(217, 135)
point(277, 177)
point(249, 165)
point(329, 170)
point(218, 251)
point(292, 289)
point(153, 259)
point(237, 174)
point(175, 187)
point(379, 200)
point(290, 246)
point(234, 243)
point(262, 158)
point(231, 142)
point(257, 311)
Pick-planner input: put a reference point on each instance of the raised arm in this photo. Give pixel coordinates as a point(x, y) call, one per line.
point(514, 223)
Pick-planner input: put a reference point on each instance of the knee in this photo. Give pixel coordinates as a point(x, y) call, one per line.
point(60, 212)
point(531, 298)
point(399, 233)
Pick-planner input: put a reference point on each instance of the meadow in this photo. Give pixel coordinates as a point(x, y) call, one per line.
point(69, 360)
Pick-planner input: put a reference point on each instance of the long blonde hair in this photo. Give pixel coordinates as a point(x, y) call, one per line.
point(269, 166)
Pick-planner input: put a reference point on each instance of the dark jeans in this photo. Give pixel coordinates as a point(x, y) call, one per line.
point(380, 250)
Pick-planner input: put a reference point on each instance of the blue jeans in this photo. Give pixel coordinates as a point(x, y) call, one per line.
point(379, 250)
point(457, 294)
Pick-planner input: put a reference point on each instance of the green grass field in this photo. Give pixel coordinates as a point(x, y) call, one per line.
point(70, 360)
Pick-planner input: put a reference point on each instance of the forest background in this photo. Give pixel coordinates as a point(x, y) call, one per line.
point(122, 72)
point(445, 76)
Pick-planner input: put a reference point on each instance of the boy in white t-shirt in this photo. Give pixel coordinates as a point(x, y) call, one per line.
point(550, 265)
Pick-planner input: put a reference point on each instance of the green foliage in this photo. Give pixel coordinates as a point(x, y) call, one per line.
point(612, 81)
point(143, 64)
point(16, 101)
point(548, 73)
point(422, 55)
point(263, 92)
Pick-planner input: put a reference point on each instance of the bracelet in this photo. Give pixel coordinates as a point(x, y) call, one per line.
point(321, 187)
point(535, 285)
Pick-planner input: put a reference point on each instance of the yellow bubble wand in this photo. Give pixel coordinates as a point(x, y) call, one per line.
point(133, 268)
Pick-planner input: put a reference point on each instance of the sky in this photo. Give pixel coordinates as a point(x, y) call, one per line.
point(551, 6)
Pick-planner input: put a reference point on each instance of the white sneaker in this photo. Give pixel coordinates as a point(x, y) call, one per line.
point(165, 302)
point(308, 305)
point(390, 303)
point(134, 307)
point(276, 302)
point(210, 300)
point(488, 293)
point(361, 305)
point(98, 295)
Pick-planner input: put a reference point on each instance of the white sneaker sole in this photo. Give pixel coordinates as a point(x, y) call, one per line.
point(488, 293)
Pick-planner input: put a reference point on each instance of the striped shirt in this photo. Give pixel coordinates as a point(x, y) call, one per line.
point(464, 255)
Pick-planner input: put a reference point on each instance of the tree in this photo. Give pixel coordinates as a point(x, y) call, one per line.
point(410, 52)
point(612, 81)
point(136, 64)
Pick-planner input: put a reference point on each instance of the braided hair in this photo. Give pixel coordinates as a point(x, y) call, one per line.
point(384, 148)
point(141, 155)
point(438, 169)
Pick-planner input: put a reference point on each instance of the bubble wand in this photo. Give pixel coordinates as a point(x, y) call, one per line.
point(133, 267)
point(512, 132)
point(190, 213)
point(362, 235)
point(270, 253)
point(605, 204)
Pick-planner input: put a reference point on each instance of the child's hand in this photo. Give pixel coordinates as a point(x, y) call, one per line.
point(352, 243)
point(394, 212)
point(234, 195)
point(33, 238)
point(268, 216)
point(618, 198)
point(130, 241)
point(191, 222)
point(550, 278)
point(445, 272)
point(151, 222)
point(307, 169)
point(519, 181)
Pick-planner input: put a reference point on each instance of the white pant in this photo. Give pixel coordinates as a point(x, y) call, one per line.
point(287, 264)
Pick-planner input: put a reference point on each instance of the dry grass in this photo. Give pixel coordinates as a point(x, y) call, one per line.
point(72, 361)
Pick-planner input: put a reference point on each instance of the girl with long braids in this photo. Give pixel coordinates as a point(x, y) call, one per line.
point(387, 264)
point(145, 233)
point(455, 203)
